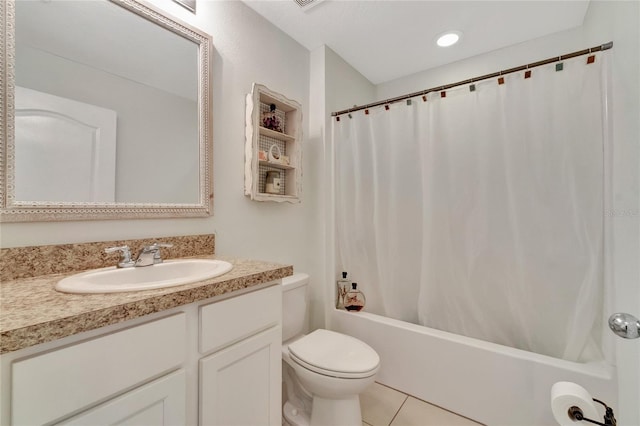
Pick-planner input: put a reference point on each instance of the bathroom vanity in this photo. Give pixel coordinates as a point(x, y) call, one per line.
point(205, 353)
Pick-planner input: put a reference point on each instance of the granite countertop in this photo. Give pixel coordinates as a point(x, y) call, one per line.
point(33, 312)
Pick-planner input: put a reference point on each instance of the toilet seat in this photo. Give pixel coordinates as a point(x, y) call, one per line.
point(334, 354)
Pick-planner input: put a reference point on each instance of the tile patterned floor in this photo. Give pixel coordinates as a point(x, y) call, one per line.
point(383, 406)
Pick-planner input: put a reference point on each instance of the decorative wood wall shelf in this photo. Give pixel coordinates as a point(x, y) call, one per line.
point(285, 146)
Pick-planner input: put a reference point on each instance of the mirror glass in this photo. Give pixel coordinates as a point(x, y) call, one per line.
point(111, 111)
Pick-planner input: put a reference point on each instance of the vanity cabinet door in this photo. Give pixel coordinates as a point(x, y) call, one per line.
point(241, 384)
point(159, 403)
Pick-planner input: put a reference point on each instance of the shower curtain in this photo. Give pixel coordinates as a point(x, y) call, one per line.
point(480, 210)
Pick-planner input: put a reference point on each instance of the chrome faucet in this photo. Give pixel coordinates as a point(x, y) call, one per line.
point(149, 255)
point(125, 261)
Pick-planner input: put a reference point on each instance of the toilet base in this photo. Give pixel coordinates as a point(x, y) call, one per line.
point(325, 412)
point(336, 412)
point(294, 416)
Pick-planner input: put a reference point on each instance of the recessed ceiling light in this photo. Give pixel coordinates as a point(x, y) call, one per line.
point(449, 38)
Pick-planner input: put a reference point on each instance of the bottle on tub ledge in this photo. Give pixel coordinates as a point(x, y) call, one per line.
point(354, 300)
point(343, 286)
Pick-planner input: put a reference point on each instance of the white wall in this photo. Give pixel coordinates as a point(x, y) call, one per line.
point(247, 49)
point(348, 86)
point(617, 21)
point(318, 294)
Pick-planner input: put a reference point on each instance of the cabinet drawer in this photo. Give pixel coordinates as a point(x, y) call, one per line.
point(52, 385)
point(231, 320)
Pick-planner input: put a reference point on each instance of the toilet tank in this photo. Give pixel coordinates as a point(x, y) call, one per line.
point(294, 305)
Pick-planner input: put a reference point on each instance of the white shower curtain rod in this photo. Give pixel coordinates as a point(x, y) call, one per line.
point(602, 47)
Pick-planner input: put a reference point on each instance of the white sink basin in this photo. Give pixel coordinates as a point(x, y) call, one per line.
point(167, 274)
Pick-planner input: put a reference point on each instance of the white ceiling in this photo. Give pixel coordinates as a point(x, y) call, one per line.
point(388, 39)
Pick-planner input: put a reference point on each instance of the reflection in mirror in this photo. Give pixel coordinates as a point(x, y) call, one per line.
point(54, 133)
point(112, 113)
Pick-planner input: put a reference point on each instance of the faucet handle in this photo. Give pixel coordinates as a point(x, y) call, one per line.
point(155, 249)
point(156, 246)
point(125, 261)
point(167, 245)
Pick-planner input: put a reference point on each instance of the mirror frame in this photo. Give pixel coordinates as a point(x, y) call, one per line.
point(12, 210)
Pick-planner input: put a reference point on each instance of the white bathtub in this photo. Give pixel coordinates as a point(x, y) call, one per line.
point(489, 383)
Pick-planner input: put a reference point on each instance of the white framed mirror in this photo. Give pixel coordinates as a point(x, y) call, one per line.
point(105, 112)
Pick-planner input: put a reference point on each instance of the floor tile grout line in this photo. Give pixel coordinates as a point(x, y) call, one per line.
point(448, 411)
point(392, 388)
point(406, 397)
point(426, 402)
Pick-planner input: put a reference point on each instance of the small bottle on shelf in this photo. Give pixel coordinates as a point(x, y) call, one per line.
point(343, 285)
point(354, 300)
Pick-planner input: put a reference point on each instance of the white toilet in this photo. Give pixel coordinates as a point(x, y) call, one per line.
point(323, 371)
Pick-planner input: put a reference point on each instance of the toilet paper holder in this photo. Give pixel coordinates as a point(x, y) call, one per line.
point(575, 413)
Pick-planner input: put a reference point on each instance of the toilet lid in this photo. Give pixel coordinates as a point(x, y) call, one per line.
point(331, 353)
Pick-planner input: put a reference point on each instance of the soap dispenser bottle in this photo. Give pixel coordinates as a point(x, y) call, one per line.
point(354, 300)
point(343, 286)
